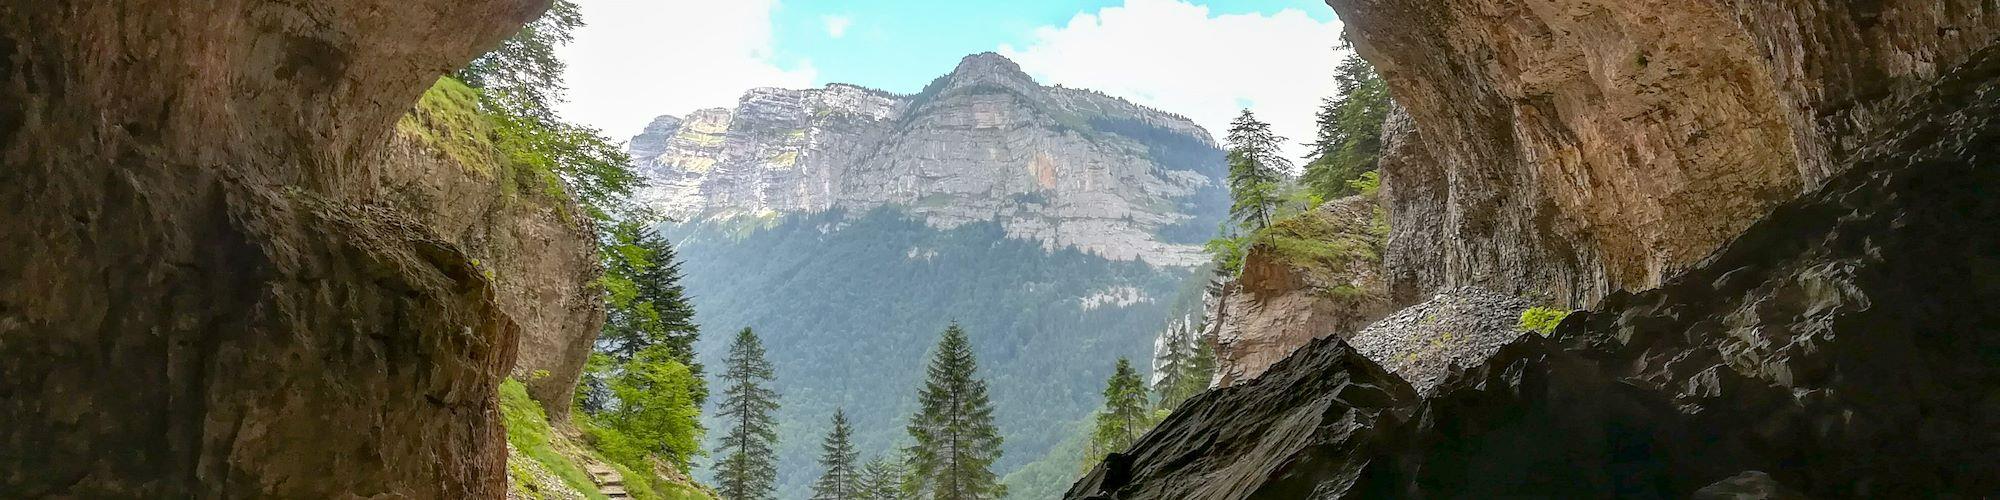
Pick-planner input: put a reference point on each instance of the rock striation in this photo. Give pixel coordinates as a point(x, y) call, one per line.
point(1840, 347)
point(1062, 166)
point(203, 292)
point(1568, 149)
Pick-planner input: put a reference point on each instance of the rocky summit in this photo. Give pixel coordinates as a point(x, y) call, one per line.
point(1065, 167)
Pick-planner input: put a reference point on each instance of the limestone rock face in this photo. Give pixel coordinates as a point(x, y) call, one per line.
point(1572, 148)
point(540, 255)
point(1315, 275)
point(1840, 347)
point(201, 294)
point(1062, 166)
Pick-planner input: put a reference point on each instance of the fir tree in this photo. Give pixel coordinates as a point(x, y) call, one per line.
point(1200, 367)
point(956, 442)
point(1171, 362)
point(841, 481)
point(883, 478)
point(1348, 144)
point(1257, 169)
point(747, 466)
point(1124, 417)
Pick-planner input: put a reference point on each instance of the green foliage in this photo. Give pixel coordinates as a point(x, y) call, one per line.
point(1369, 184)
point(1256, 171)
point(883, 479)
point(1228, 252)
point(1187, 364)
point(840, 481)
point(1126, 415)
point(648, 305)
point(1349, 141)
point(528, 430)
point(840, 298)
point(447, 118)
point(747, 467)
point(656, 412)
point(956, 442)
point(1542, 320)
point(525, 66)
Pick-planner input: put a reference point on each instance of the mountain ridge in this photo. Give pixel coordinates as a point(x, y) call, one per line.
point(986, 142)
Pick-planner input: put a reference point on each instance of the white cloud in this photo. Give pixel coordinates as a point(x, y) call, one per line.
point(836, 26)
point(637, 59)
point(1176, 56)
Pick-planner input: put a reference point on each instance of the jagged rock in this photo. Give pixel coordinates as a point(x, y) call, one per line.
point(1844, 345)
point(1573, 148)
point(1310, 276)
point(1314, 413)
point(1455, 330)
point(200, 296)
point(1062, 166)
point(1750, 485)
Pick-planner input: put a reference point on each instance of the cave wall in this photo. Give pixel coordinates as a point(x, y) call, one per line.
point(1840, 347)
point(200, 292)
point(1573, 148)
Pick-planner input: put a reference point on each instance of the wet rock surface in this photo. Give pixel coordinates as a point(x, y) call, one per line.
point(1844, 346)
point(202, 292)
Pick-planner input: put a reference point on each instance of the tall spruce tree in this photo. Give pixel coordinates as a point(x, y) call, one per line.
point(956, 442)
point(1348, 144)
point(1125, 416)
point(1257, 170)
point(840, 481)
point(1175, 363)
point(747, 466)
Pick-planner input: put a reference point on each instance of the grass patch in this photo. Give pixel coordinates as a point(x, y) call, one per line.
point(447, 118)
point(528, 430)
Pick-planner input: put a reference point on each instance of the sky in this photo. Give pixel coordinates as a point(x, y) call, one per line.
point(1205, 59)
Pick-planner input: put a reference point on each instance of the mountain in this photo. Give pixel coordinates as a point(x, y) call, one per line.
point(849, 226)
point(1061, 166)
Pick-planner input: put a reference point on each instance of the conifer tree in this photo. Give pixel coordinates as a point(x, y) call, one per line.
point(956, 442)
point(840, 481)
point(1124, 417)
point(1257, 169)
point(1348, 144)
point(747, 467)
point(1172, 362)
point(1200, 368)
point(883, 478)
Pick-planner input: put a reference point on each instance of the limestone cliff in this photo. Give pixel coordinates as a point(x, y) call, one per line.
point(1062, 166)
point(1841, 347)
point(1314, 275)
point(1567, 149)
point(203, 292)
point(441, 168)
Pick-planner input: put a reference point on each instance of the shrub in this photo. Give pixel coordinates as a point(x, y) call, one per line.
point(1542, 320)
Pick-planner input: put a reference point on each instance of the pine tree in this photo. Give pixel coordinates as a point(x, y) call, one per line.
point(1200, 368)
point(883, 478)
point(1348, 144)
point(837, 456)
point(1172, 366)
point(956, 442)
point(1124, 417)
point(646, 308)
point(747, 466)
point(1257, 169)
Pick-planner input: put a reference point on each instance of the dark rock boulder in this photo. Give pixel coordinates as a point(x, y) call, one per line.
point(1847, 346)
